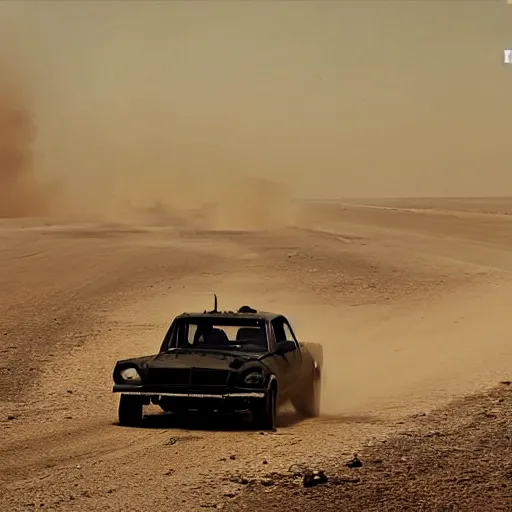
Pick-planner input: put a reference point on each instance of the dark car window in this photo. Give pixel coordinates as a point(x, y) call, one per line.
point(282, 330)
point(288, 332)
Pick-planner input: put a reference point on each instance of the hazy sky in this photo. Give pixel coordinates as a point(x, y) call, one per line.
point(342, 97)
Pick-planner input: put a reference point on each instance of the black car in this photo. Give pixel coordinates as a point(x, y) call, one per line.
point(224, 361)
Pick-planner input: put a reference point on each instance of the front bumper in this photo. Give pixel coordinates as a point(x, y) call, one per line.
point(132, 390)
point(195, 399)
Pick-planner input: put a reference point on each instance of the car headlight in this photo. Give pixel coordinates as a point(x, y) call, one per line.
point(130, 375)
point(254, 379)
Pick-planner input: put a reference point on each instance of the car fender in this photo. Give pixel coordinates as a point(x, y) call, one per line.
point(315, 351)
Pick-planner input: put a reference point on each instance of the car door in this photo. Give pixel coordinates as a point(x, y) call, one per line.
point(289, 363)
point(295, 357)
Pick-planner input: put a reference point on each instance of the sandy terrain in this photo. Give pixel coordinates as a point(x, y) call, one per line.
point(410, 300)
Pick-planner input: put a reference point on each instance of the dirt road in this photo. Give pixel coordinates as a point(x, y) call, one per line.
point(409, 300)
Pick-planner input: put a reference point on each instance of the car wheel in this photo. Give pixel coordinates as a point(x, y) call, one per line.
point(265, 413)
point(307, 399)
point(131, 410)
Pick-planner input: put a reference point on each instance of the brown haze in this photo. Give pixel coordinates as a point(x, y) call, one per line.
point(161, 103)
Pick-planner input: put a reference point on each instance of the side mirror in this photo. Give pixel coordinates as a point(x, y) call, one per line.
point(284, 347)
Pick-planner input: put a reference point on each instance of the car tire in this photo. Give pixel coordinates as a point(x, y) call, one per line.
point(307, 399)
point(131, 410)
point(265, 412)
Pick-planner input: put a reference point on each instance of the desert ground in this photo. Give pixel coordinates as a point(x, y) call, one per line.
point(409, 298)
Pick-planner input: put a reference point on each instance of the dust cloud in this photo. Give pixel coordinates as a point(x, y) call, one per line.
point(148, 112)
point(21, 194)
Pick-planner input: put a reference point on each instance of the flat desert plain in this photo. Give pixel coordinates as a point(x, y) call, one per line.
point(411, 300)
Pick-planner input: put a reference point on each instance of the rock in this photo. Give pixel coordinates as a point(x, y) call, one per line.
point(265, 462)
point(312, 478)
point(267, 482)
point(11, 417)
point(355, 462)
point(240, 480)
point(232, 457)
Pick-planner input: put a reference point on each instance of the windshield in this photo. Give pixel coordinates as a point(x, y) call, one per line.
point(232, 334)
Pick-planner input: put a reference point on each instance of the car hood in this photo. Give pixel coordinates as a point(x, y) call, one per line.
point(201, 359)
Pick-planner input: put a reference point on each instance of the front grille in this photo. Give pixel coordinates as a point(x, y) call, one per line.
point(170, 376)
point(202, 377)
point(186, 376)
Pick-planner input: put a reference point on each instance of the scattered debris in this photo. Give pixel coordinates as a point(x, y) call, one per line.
point(312, 478)
point(355, 462)
point(239, 480)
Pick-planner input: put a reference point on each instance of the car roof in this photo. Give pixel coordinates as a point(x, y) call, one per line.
point(232, 315)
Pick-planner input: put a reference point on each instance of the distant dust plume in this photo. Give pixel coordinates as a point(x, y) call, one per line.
point(20, 193)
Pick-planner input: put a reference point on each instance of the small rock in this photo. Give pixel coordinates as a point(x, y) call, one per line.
point(312, 478)
point(70, 391)
point(232, 457)
point(169, 472)
point(240, 480)
point(265, 462)
point(11, 417)
point(267, 482)
point(355, 462)
point(230, 495)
